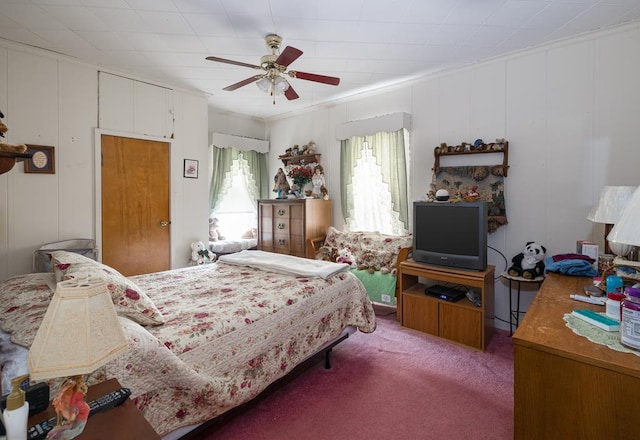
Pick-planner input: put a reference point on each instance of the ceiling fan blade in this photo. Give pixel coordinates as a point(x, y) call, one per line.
point(290, 93)
point(236, 63)
point(244, 82)
point(331, 80)
point(288, 56)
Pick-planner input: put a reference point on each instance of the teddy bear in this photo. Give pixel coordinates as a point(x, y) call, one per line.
point(310, 148)
point(7, 147)
point(200, 254)
point(214, 230)
point(250, 233)
point(327, 253)
point(388, 264)
point(369, 261)
point(344, 256)
point(528, 264)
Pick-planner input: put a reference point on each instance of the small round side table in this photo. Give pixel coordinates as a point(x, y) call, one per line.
point(514, 315)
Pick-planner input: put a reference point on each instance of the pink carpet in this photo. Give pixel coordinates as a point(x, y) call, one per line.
point(395, 383)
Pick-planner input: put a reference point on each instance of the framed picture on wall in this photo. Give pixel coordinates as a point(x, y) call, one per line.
point(43, 160)
point(191, 168)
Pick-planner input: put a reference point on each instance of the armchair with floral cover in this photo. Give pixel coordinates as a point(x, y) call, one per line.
point(376, 257)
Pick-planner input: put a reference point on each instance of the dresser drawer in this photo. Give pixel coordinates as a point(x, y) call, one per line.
point(296, 226)
point(266, 241)
point(281, 244)
point(281, 226)
point(296, 245)
point(281, 211)
point(266, 225)
point(265, 210)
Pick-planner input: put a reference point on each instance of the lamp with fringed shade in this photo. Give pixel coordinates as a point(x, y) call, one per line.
point(626, 231)
point(608, 210)
point(80, 333)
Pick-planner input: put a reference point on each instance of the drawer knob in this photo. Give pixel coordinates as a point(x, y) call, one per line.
point(281, 211)
point(281, 225)
point(281, 241)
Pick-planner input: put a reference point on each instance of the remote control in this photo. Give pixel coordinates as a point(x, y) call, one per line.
point(103, 403)
point(40, 430)
point(108, 401)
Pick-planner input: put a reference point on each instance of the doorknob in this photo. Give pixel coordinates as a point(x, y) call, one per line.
point(164, 224)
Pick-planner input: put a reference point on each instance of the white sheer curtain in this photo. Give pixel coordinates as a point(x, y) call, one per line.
point(240, 173)
point(236, 207)
point(372, 204)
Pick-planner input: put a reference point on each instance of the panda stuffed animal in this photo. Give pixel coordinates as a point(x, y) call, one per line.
point(528, 264)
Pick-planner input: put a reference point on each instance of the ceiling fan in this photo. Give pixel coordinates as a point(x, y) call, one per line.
point(274, 66)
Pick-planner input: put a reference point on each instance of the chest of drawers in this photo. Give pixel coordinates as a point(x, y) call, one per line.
point(285, 225)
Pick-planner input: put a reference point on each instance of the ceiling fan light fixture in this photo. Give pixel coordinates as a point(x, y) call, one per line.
point(281, 85)
point(264, 84)
point(274, 66)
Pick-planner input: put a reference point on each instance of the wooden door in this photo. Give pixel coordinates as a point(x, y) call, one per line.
point(135, 205)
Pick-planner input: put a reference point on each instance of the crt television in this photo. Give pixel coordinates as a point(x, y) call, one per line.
point(450, 234)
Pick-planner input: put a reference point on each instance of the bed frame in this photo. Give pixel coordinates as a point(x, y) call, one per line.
point(195, 432)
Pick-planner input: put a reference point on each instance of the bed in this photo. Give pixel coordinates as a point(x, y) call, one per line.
point(203, 339)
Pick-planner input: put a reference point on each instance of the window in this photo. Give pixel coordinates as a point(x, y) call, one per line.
point(235, 211)
point(238, 180)
point(374, 183)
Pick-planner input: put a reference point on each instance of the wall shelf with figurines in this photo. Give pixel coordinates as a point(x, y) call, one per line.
point(478, 147)
point(9, 158)
point(10, 154)
point(300, 155)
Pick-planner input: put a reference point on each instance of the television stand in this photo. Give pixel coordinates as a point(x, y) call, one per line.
point(460, 322)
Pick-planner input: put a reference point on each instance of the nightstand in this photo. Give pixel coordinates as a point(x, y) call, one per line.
point(123, 422)
point(514, 314)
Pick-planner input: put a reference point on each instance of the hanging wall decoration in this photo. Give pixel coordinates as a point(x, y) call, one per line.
point(42, 161)
point(191, 168)
point(475, 182)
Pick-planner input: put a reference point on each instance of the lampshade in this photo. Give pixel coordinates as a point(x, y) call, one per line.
point(627, 228)
point(280, 85)
point(612, 201)
point(264, 84)
point(607, 210)
point(80, 331)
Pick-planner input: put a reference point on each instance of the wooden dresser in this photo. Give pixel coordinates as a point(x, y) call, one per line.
point(284, 225)
point(566, 387)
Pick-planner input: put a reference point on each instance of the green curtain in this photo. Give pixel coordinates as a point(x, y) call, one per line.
point(258, 168)
point(222, 159)
point(389, 151)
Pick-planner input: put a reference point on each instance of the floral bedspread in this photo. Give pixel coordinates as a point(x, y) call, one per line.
point(230, 331)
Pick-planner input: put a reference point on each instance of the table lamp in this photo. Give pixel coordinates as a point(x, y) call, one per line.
point(608, 210)
point(626, 231)
point(80, 332)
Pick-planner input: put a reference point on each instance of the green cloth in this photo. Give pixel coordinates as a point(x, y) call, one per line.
point(380, 287)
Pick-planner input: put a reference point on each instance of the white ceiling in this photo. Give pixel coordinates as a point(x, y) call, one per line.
point(367, 43)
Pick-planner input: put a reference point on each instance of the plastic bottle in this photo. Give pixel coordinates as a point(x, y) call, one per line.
point(630, 318)
point(613, 305)
point(614, 284)
point(16, 414)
